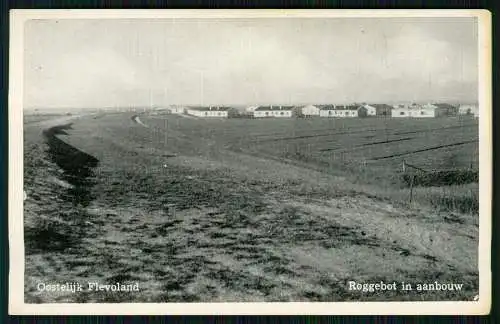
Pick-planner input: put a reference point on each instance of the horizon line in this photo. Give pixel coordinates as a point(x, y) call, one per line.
point(249, 104)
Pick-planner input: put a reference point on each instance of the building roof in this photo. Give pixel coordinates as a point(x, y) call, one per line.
point(212, 108)
point(382, 106)
point(448, 107)
point(432, 106)
point(340, 107)
point(273, 108)
point(326, 107)
point(407, 106)
point(350, 107)
point(427, 106)
point(444, 105)
point(413, 106)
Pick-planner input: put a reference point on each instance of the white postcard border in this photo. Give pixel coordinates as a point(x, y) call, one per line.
point(17, 306)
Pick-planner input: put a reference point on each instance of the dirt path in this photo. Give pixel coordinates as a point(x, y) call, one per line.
point(59, 120)
point(138, 121)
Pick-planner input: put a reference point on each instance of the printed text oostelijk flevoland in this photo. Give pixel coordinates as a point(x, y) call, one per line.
point(74, 287)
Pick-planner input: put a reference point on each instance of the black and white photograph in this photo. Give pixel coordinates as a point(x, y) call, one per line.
point(235, 159)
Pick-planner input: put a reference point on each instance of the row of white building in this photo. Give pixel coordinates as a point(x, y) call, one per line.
point(362, 110)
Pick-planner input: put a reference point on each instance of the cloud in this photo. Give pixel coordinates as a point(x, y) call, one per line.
point(76, 78)
point(106, 63)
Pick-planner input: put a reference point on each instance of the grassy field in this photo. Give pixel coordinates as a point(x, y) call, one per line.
point(247, 210)
point(359, 149)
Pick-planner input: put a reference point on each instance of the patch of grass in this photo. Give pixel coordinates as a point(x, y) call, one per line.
point(49, 236)
point(456, 198)
point(441, 178)
point(464, 201)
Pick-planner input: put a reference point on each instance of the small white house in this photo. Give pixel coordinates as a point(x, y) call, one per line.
point(401, 112)
point(342, 111)
point(210, 111)
point(407, 110)
point(251, 109)
point(418, 111)
point(469, 109)
point(430, 110)
point(370, 110)
point(447, 109)
point(176, 110)
point(273, 111)
point(378, 109)
point(310, 110)
point(326, 110)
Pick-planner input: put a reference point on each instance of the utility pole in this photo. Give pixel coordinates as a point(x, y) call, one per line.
point(201, 88)
point(386, 130)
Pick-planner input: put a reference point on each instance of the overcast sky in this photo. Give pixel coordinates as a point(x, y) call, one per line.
point(106, 63)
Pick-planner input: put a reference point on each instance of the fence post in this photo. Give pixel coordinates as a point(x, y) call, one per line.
point(165, 132)
point(170, 209)
point(411, 188)
point(475, 153)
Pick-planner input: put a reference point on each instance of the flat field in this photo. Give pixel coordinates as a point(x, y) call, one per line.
point(247, 210)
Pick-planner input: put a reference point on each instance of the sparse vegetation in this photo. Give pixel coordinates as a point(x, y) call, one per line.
point(247, 210)
point(441, 178)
